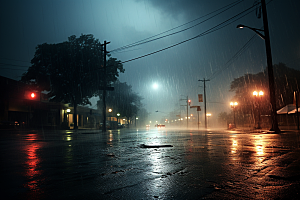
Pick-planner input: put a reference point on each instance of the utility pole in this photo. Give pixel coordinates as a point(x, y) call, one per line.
point(187, 110)
point(104, 87)
point(204, 101)
point(270, 69)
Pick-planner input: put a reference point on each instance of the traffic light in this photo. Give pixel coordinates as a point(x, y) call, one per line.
point(189, 101)
point(32, 95)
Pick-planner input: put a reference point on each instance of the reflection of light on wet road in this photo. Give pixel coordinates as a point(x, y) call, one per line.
point(31, 137)
point(160, 170)
point(67, 138)
point(259, 150)
point(110, 137)
point(259, 145)
point(32, 163)
point(234, 146)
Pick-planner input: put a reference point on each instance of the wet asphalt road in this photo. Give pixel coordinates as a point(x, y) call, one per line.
point(213, 164)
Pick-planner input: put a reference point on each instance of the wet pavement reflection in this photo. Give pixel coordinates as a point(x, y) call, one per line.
point(183, 164)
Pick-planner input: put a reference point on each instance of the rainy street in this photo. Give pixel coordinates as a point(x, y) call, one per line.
point(149, 164)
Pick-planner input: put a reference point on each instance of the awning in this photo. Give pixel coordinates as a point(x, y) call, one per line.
point(294, 111)
point(287, 109)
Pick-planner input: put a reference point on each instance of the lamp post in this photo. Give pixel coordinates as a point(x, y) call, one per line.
point(188, 102)
point(136, 121)
point(208, 115)
point(258, 94)
point(110, 110)
point(266, 37)
point(233, 105)
point(118, 115)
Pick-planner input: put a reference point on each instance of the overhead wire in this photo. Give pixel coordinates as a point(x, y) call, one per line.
point(4, 66)
point(144, 41)
point(211, 30)
point(234, 57)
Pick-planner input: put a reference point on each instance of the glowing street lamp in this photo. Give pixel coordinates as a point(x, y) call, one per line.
point(266, 37)
point(233, 106)
point(118, 115)
point(208, 115)
point(110, 110)
point(258, 94)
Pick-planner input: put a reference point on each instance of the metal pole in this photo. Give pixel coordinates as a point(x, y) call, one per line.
point(205, 105)
point(198, 120)
point(297, 113)
point(270, 69)
point(187, 112)
point(234, 116)
point(104, 88)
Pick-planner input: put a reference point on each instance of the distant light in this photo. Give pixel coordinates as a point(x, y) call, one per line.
point(233, 104)
point(155, 86)
point(261, 93)
point(208, 114)
point(68, 110)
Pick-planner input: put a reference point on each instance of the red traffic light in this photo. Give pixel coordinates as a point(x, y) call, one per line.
point(189, 101)
point(32, 95)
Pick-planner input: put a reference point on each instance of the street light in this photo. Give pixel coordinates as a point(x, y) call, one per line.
point(118, 115)
point(136, 118)
point(233, 105)
point(208, 115)
point(258, 94)
point(110, 110)
point(253, 29)
point(269, 64)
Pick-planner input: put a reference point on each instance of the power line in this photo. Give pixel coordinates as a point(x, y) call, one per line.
point(13, 65)
point(144, 41)
point(234, 57)
point(15, 60)
point(211, 30)
point(15, 69)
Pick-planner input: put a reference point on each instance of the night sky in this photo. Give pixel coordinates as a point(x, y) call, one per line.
point(220, 55)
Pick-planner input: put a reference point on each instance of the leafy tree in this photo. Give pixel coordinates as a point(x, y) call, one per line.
point(71, 71)
point(123, 100)
point(286, 82)
point(223, 117)
point(143, 116)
